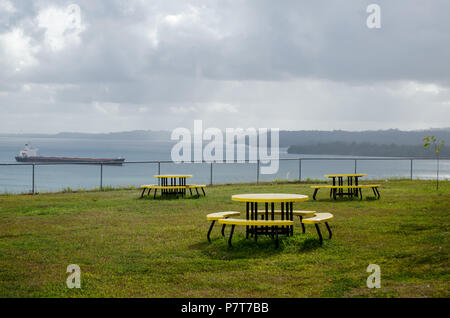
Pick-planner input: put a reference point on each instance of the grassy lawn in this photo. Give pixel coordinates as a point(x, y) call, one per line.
point(131, 247)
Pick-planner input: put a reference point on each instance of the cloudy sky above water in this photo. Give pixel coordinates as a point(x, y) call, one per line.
point(158, 65)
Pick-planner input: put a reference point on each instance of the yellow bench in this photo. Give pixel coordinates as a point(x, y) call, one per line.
point(213, 217)
point(196, 187)
point(156, 188)
point(245, 222)
point(300, 214)
point(320, 218)
point(145, 187)
point(357, 187)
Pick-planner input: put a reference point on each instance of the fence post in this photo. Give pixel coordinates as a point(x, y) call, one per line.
point(257, 171)
point(355, 166)
point(101, 176)
point(211, 174)
point(411, 169)
point(299, 169)
point(32, 181)
point(159, 172)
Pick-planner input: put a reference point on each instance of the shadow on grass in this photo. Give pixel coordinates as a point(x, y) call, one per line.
point(264, 247)
point(307, 245)
point(347, 199)
point(169, 197)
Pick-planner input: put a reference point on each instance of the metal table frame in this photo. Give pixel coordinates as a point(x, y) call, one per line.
point(252, 213)
point(340, 182)
point(164, 181)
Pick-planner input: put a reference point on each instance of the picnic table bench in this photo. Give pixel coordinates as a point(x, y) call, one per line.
point(334, 190)
point(352, 186)
point(263, 222)
point(276, 225)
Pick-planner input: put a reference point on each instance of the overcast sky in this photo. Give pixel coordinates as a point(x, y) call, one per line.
point(158, 65)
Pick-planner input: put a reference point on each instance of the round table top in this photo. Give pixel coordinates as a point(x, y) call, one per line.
point(173, 176)
point(345, 175)
point(269, 197)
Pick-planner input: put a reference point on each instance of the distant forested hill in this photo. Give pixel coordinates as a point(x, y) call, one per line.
point(390, 136)
point(367, 149)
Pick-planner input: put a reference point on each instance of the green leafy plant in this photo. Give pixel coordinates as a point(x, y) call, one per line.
point(431, 141)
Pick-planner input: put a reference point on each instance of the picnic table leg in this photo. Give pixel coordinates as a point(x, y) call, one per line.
point(252, 217)
point(256, 218)
point(149, 191)
point(210, 229)
point(374, 192)
point(272, 211)
point(203, 191)
point(334, 183)
point(303, 225)
point(329, 230)
point(291, 208)
point(247, 215)
point(339, 184)
point(315, 192)
point(231, 235)
point(351, 192)
point(223, 230)
point(376, 189)
point(276, 237)
point(142, 194)
point(318, 232)
point(360, 194)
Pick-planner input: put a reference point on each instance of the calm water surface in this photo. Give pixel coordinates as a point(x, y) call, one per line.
point(17, 179)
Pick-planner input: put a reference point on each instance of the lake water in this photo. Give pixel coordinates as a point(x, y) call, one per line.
point(16, 179)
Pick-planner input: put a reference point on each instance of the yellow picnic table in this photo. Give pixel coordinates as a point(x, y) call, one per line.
point(173, 183)
point(266, 202)
point(352, 179)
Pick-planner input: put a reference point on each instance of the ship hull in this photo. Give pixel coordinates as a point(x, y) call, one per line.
point(40, 159)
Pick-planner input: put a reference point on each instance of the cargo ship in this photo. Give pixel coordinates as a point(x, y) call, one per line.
point(29, 154)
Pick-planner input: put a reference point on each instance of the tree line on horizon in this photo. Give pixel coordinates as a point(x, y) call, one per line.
point(365, 149)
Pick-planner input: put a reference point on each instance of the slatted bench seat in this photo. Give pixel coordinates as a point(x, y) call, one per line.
point(145, 187)
point(213, 217)
point(169, 190)
point(299, 213)
point(196, 187)
point(374, 187)
point(320, 218)
point(244, 222)
point(156, 188)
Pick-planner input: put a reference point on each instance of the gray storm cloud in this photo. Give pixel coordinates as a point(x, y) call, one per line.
point(125, 65)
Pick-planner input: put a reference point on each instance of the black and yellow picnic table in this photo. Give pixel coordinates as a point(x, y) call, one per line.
point(263, 205)
point(338, 180)
point(338, 186)
point(173, 183)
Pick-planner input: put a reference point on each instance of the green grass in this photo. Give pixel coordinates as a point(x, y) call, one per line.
point(131, 247)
